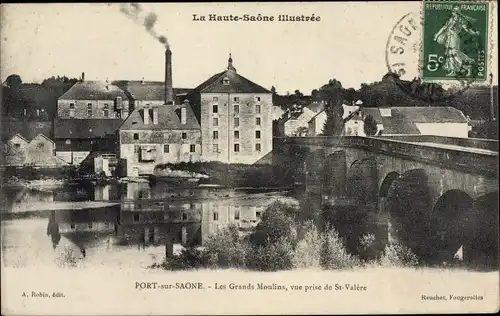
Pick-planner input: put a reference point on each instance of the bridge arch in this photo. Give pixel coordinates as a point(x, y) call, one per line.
point(486, 235)
point(387, 183)
point(452, 225)
point(409, 205)
point(362, 180)
point(335, 173)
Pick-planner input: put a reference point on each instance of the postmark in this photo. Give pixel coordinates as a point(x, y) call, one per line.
point(455, 41)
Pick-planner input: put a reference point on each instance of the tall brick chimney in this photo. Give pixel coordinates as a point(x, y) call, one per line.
point(169, 91)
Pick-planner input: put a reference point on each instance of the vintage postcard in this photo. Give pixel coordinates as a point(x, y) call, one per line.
point(249, 158)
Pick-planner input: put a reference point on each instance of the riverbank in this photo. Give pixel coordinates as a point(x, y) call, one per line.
point(230, 175)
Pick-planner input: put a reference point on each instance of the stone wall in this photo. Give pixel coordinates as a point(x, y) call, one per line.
point(247, 116)
point(81, 109)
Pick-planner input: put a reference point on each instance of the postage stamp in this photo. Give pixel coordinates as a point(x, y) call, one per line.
point(455, 40)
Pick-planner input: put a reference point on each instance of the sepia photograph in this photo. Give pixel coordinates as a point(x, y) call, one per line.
point(249, 158)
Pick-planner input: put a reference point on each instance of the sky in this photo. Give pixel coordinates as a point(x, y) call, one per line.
point(348, 43)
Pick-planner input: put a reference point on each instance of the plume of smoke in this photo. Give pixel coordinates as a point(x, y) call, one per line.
point(134, 11)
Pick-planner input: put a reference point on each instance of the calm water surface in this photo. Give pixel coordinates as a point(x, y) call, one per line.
point(131, 231)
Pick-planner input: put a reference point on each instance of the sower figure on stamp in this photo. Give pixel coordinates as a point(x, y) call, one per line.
point(449, 35)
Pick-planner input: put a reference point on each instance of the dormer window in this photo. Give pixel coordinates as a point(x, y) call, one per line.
point(225, 81)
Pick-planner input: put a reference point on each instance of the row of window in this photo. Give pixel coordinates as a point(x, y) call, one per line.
point(235, 99)
point(166, 148)
point(236, 108)
point(90, 110)
point(215, 134)
point(183, 135)
point(236, 148)
point(236, 121)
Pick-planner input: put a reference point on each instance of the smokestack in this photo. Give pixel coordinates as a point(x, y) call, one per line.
point(83, 76)
point(169, 91)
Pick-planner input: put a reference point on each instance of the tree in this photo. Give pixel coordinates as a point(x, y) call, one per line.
point(333, 95)
point(370, 126)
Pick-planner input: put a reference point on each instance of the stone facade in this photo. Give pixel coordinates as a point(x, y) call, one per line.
point(88, 109)
point(236, 127)
point(39, 152)
point(143, 150)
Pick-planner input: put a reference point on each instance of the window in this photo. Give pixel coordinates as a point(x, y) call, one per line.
point(257, 121)
point(17, 145)
point(106, 106)
point(106, 113)
point(89, 109)
point(215, 109)
point(136, 135)
point(216, 216)
point(257, 214)
point(236, 109)
point(184, 135)
point(166, 149)
point(184, 217)
point(192, 148)
point(216, 148)
point(72, 225)
point(236, 99)
point(215, 134)
point(236, 148)
point(257, 108)
point(90, 225)
point(106, 225)
point(257, 147)
point(257, 98)
point(236, 134)
point(237, 215)
point(225, 81)
point(257, 134)
point(236, 122)
point(136, 218)
point(71, 105)
point(216, 99)
point(215, 121)
point(68, 141)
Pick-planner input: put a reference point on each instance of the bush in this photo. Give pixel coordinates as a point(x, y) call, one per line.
point(307, 253)
point(398, 255)
point(276, 223)
point(334, 254)
point(273, 256)
point(225, 249)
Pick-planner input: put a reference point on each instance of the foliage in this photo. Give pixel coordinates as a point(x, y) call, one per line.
point(272, 256)
point(334, 255)
point(225, 249)
point(397, 254)
point(308, 250)
point(32, 173)
point(369, 126)
point(485, 130)
point(276, 223)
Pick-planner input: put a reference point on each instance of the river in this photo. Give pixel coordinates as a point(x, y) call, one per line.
point(129, 229)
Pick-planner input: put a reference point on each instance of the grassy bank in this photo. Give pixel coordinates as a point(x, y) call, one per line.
point(235, 175)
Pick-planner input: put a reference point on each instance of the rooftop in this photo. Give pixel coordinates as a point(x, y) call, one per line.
point(93, 90)
point(27, 129)
point(86, 128)
point(168, 119)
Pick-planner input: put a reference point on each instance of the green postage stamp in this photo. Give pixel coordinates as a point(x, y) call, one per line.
point(455, 40)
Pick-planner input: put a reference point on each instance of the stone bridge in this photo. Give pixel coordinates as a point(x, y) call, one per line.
point(438, 195)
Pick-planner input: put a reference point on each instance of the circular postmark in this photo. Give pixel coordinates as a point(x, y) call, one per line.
point(404, 59)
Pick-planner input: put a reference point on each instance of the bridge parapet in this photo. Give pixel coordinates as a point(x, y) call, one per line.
point(488, 144)
point(480, 162)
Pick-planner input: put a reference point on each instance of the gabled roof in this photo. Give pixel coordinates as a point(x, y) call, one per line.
point(445, 114)
point(237, 84)
point(87, 128)
point(147, 90)
point(320, 112)
point(168, 119)
point(395, 125)
point(316, 106)
point(27, 129)
point(93, 90)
